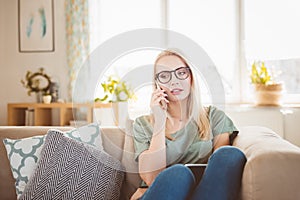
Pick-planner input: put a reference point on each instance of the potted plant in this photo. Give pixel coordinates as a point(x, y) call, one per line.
point(267, 91)
point(117, 92)
point(38, 83)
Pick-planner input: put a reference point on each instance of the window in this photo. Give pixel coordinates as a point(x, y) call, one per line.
point(272, 34)
point(113, 17)
point(232, 32)
point(110, 18)
point(211, 24)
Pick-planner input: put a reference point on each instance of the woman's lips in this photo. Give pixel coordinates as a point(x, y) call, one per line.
point(176, 91)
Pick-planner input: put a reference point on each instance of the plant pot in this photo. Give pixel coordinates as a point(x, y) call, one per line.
point(116, 115)
point(47, 99)
point(120, 110)
point(268, 95)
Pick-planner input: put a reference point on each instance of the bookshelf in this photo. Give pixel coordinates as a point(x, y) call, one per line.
point(42, 113)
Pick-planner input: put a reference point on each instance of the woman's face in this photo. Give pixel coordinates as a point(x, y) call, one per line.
point(176, 88)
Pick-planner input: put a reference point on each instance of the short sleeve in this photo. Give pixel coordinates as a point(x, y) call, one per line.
point(141, 138)
point(221, 123)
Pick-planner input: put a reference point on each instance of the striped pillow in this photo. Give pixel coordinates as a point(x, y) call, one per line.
point(24, 153)
point(69, 169)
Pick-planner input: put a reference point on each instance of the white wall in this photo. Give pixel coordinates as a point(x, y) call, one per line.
point(292, 126)
point(268, 117)
point(1, 44)
point(282, 120)
point(14, 65)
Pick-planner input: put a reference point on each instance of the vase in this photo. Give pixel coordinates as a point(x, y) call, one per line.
point(116, 115)
point(47, 99)
point(54, 91)
point(120, 110)
point(39, 97)
point(268, 95)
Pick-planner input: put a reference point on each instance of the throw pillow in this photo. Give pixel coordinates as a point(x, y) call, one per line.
point(24, 153)
point(68, 169)
point(89, 134)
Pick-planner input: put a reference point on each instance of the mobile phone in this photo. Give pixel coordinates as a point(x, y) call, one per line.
point(157, 85)
point(163, 103)
point(197, 169)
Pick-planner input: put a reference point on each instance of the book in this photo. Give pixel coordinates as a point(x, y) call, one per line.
point(197, 169)
point(29, 117)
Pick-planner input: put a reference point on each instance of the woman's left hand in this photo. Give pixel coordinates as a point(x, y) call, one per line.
point(138, 193)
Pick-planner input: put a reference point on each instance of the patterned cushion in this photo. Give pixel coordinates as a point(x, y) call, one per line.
point(89, 134)
point(24, 153)
point(68, 169)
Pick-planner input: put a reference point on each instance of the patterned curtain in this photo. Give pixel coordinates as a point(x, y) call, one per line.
point(77, 27)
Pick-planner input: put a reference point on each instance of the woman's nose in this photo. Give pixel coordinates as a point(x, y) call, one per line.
point(174, 81)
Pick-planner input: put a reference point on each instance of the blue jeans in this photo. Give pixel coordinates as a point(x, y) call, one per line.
point(221, 179)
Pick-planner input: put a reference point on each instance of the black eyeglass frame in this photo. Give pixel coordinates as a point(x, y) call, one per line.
point(174, 71)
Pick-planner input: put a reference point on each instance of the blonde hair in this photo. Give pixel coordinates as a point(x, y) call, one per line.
point(195, 108)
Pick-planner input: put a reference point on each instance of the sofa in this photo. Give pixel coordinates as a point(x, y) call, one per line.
point(272, 171)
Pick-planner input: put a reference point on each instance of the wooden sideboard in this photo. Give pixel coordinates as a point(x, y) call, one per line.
point(42, 113)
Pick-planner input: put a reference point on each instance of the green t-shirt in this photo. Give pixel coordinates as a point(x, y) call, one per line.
point(187, 146)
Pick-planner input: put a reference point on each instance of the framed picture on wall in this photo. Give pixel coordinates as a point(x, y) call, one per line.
point(36, 25)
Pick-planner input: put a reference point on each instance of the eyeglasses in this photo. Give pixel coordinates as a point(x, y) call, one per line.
point(181, 73)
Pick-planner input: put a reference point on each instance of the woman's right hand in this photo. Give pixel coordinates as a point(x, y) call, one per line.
point(158, 104)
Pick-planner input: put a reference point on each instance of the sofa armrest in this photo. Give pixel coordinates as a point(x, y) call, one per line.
point(272, 170)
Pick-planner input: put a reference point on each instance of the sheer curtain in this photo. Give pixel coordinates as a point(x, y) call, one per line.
point(114, 17)
point(77, 26)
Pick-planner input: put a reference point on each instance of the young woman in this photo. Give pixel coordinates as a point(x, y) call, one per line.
point(180, 131)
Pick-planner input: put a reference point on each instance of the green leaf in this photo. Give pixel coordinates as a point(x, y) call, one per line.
point(114, 87)
point(259, 73)
point(104, 86)
point(27, 75)
point(97, 100)
point(110, 88)
point(104, 98)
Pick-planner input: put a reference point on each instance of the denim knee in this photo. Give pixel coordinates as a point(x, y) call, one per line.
point(222, 176)
point(175, 182)
point(229, 153)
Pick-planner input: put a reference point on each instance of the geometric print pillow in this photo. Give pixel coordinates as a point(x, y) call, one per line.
point(88, 134)
point(24, 153)
point(68, 169)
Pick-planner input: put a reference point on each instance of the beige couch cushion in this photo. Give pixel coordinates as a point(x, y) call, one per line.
point(272, 168)
point(113, 141)
point(132, 179)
